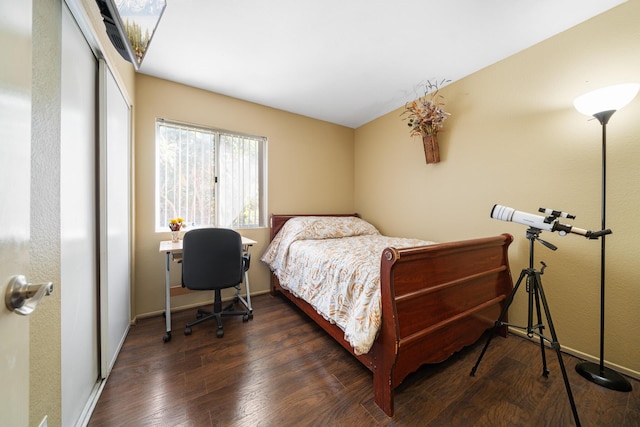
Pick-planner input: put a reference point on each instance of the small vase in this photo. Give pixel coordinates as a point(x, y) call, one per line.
point(175, 236)
point(431, 150)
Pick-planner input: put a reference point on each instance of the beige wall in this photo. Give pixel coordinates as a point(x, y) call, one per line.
point(310, 169)
point(515, 139)
point(45, 323)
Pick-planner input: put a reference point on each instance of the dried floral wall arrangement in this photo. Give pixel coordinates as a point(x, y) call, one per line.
point(426, 116)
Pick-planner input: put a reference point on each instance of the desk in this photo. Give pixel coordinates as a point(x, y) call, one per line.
point(174, 250)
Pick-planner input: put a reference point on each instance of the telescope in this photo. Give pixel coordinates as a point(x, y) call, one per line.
point(548, 223)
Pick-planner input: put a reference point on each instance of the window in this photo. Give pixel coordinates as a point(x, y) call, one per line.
point(209, 177)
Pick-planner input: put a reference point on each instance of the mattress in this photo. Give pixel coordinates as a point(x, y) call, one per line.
point(333, 263)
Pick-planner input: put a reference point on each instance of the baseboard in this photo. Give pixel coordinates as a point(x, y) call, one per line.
point(190, 306)
point(584, 356)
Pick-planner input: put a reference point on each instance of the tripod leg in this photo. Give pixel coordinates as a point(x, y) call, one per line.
point(498, 322)
point(556, 345)
point(536, 289)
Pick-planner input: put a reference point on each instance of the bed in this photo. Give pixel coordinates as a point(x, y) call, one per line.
point(433, 298)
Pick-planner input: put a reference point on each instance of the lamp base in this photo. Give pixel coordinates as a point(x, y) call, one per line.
point(604, 377)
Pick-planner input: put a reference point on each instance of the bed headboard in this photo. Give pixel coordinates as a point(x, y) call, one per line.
point(277, 221)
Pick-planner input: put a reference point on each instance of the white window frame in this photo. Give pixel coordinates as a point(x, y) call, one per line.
point(230, 182)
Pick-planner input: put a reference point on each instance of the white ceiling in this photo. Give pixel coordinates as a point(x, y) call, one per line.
point(346, 61)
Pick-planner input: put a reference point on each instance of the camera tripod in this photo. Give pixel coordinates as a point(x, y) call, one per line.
point(536, 294)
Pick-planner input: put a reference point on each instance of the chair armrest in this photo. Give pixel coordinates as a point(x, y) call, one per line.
point(246, 261)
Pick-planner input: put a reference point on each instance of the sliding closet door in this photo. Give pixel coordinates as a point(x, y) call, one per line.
point(78, 211)
point(115, 172)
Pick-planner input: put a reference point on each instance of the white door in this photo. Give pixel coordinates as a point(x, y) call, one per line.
point(15, 166)
point(78, 288)
point(115, 215)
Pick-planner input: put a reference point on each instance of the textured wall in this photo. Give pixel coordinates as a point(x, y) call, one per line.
point(45, 363)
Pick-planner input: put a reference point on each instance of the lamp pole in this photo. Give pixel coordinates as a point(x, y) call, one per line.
point(598, 373)
point(601, 104)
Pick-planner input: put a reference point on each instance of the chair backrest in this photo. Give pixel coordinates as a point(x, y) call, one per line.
point(211, 259)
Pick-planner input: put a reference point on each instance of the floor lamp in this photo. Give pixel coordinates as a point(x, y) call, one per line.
point(601, 104)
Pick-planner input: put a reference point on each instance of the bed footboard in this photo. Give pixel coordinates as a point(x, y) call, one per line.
point(435, 301)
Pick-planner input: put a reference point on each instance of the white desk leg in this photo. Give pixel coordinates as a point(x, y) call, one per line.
point(246, 286)
point(247, 248)
point(167, 296)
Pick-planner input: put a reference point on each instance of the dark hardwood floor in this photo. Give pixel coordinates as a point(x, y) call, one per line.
point(280, 369)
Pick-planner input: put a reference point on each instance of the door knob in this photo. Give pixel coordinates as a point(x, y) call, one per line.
point(22, 297)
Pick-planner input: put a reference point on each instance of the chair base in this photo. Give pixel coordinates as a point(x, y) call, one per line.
point(218, 312)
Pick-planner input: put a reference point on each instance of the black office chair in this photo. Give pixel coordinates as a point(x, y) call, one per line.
point(214, 259)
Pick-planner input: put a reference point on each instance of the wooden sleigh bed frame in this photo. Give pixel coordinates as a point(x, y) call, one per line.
point(436, 300)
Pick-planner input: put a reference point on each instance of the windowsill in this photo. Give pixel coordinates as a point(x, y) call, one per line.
point(185, 229)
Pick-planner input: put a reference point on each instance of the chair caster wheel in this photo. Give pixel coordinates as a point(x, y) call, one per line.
point(166, 337)
point(220, 333)
point(187, 330)
point(251, 316)
point(245, 317)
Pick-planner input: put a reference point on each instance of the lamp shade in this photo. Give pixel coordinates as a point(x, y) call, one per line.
point(610, 98)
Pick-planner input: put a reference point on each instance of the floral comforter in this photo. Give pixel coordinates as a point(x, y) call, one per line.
point(333, 263)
